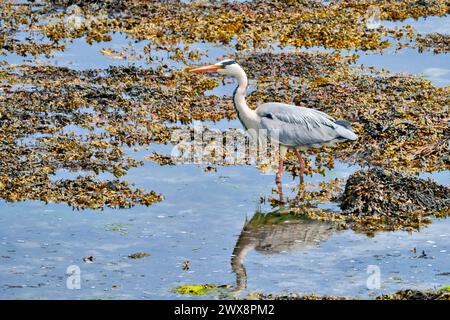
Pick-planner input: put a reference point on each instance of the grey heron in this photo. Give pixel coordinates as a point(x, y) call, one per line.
point(297, 128)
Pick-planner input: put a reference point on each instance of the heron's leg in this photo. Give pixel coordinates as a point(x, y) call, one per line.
point(280, 171)
point(280, 191)
point(302, 164)
point(278, 180)
point(282, 154)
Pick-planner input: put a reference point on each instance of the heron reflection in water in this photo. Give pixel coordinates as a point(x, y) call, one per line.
point(274, 233)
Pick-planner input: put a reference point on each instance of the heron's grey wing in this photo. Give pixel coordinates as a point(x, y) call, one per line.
point(299, 126)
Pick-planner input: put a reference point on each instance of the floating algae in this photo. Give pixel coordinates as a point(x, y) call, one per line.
point(174, 25)
point(130, 106)
point(202, 290)
point(436, 42)
point(291, 296)
point(401, 120)
point(252, 23)
point(117, 227)
point(139, 255)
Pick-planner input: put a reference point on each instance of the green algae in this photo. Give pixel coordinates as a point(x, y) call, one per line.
point(202, 290)
point(444, 288)
point(117, 227)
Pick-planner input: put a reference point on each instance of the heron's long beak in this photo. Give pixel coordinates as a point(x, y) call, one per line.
point(212, 68)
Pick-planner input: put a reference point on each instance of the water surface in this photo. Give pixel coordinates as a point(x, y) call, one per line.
point(202, 219)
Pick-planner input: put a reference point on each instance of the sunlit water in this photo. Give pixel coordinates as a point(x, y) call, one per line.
point(201, 220)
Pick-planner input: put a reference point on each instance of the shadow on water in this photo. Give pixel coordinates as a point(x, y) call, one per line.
point(273, 233)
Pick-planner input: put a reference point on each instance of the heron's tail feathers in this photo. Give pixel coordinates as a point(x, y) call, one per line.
point(344, 129)
point(344, 124)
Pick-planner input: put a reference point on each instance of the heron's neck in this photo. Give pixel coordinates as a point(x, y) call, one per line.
point(247, 116)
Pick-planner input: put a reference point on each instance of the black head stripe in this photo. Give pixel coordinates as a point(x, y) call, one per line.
point(227, 63)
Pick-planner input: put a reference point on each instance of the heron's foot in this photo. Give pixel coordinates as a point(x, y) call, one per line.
point(280, 202)
point(280, 191)
point(300, 194)
point(302, 181)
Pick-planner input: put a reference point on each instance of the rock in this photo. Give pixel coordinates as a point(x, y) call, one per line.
point(381, 192)
point(89, 259)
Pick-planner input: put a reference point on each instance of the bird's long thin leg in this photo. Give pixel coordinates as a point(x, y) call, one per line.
point(278, 179)
point(280, 171)
point(302, 164)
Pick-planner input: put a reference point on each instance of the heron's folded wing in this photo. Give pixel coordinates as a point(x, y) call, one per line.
point(298, 126)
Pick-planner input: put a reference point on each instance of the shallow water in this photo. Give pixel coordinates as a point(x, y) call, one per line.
point(201, 220)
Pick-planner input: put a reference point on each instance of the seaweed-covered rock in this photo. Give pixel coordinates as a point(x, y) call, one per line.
point(408, 294)
point(441, 294)
point(381, 192)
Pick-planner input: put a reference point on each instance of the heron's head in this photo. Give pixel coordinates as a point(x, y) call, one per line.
point(226, 67)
